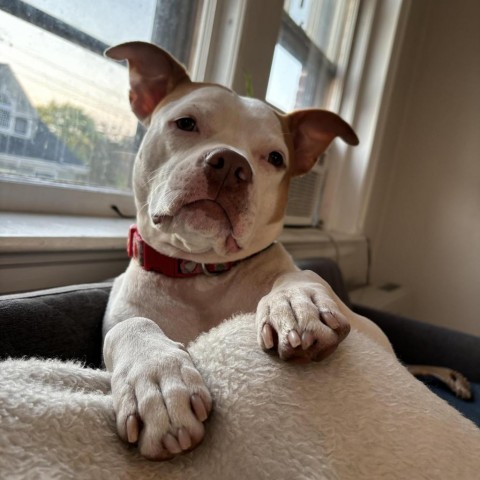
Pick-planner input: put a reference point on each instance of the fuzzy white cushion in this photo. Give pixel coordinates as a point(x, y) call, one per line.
point(357, 415)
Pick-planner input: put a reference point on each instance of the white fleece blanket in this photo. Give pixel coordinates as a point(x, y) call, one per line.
point(357, 415)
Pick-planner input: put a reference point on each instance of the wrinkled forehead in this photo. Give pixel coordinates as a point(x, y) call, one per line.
point(220, 104)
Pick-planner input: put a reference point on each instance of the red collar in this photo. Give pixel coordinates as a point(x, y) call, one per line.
point(153, 261)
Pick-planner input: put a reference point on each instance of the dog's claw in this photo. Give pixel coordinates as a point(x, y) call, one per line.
point(294, 338)
point(329, 319)
point(267, 336)
point(308, 339)
point(199, 407)
point(132, 429)
point(171, 444)
point(184, 439)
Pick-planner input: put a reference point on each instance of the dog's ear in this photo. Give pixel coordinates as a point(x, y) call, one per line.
point(153, 74)
point(312, 131)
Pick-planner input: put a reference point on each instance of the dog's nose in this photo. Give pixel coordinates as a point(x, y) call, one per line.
point(232, 165)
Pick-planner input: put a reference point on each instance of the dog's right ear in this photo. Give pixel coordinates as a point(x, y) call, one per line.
point(312, 130)
point(153, 74)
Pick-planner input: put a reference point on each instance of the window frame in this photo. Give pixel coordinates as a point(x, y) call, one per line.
point(228, 33)
point(365, 104)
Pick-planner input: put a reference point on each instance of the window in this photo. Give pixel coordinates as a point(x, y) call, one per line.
point(59, 82)
point(53, 75)
point(4, 118)
point(308, 70)
point(311, 53)
point(21, 126)
point(5, 111)
point(4, 100)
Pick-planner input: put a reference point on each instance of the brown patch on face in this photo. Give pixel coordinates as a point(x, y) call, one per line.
point(279, 211)
point(288, 138)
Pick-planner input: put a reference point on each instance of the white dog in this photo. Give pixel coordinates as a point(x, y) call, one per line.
point(210, 182)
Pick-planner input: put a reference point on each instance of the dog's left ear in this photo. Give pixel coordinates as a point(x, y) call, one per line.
point(312, 132)
point(153, 74)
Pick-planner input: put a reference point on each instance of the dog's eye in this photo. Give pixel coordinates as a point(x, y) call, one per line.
point(186, 123)
point(276, 159)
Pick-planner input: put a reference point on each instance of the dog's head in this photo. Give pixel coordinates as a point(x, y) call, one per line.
point(212, 174)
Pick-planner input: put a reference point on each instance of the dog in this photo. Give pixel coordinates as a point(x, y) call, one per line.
point(210, 182)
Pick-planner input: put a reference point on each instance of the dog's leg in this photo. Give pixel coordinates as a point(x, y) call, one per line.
point(300, 318)
point(454, 380)
point(160, 399)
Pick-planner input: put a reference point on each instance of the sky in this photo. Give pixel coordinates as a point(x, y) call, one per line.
point(111, 21)
point(52, 69)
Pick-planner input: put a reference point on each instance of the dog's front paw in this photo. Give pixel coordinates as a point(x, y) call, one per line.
point(301, 322)
point(161, 403)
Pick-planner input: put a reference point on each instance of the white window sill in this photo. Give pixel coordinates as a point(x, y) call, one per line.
point(25, 232)
point(40, 250)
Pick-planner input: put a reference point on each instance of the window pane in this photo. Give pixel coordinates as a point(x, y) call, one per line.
point(64, 112)
point(312, 35)
point(4, 119)
point(21, 126)
point(284, 79)
point(307, 71)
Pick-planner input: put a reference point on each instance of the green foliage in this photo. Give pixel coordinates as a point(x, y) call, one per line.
point(108, 161)
point(74, 127)
point(248, 84)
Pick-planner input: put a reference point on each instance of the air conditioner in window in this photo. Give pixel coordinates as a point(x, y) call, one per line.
point(304, 198)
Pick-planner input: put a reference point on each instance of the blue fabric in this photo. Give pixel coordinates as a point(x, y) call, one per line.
point(469, 408)
point(419, 343)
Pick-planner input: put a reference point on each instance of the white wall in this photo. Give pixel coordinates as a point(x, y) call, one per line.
point(424, 215)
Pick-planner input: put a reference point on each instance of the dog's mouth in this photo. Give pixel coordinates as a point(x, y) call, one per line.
point(201, 225)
